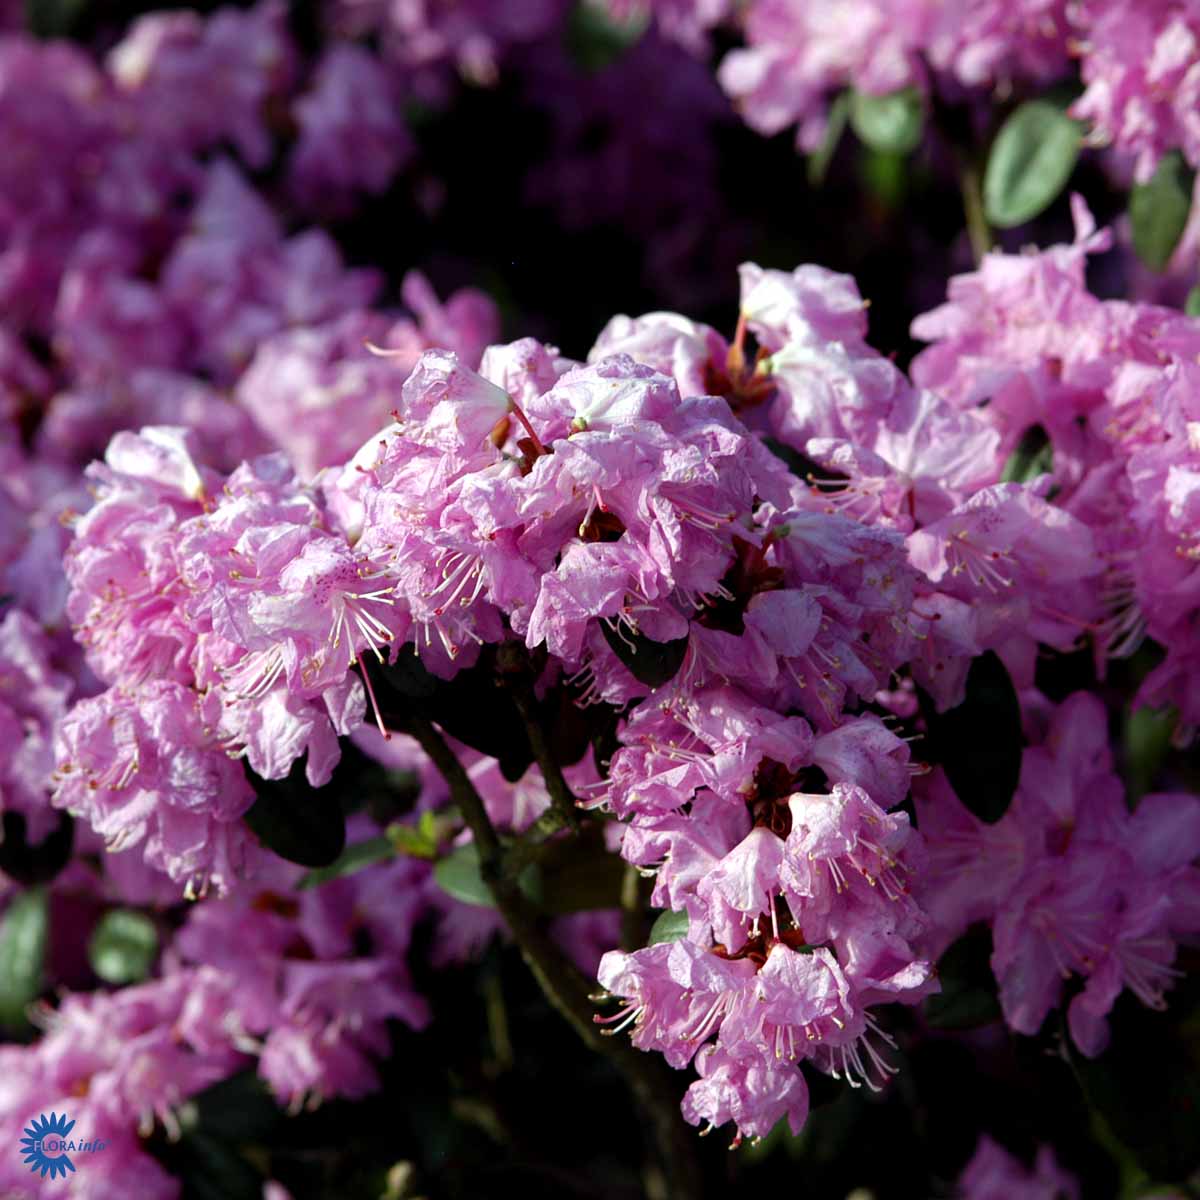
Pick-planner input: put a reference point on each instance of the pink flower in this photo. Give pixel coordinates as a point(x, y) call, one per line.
point(144, 769)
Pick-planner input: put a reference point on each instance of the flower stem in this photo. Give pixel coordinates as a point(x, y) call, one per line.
point(561, 796)
point(977, 225)
point(563, 986)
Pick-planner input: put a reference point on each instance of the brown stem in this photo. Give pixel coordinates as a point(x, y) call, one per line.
point(562, 984)
point(561, 796)
point(531, 845)
point(633, 924)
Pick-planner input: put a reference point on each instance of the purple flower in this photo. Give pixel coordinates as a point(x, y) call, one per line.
point(993, 1174)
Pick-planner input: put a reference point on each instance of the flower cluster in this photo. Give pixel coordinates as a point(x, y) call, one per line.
point(1140, 62)
point(1107, 384)
point(296, 986)
point(689, 613)
point(1070, 880)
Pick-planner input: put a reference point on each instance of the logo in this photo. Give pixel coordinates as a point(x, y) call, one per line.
point(47, 1148)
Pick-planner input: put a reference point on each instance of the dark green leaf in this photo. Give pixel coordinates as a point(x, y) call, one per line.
point(298, 822)
point(1146, 1086)
point(471, 707)
point(835, 125)
point(1158, 210)
point(892, 124)
point(978, 744)
point(596, 39)
point(123, 947)
point(968, 996)
point(238, 1109)
point(354, 858)
point(38, 863)
point(1033, 456)
point(23, 930)
point(1030, 162)
point(650, 662)
point(1191, 305)
point(52, 18)
point(213, 1170)
point(668, 927)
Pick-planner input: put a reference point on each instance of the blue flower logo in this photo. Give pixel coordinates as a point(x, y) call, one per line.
point(43, 1142)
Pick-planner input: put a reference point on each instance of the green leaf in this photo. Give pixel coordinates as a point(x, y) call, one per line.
point(595, 39)
point(1033, 456)
point(238, 1109)
point(214, 1170)
point(354, 858)
point(1146, 738)
point(1158, 210)
point(650, 662)
point(968, 996)
point(1030, 162)
point(471, 707)
point(892, 124)
point(52, 18)
point(979, 743)
point(1146, 1086)
point(885, 176)
point(835, 125)
point(668, 927)
point(1191, 305)
point(297, 821)
point(459, 875)
point(23, 931)
point(123, 947)
point(416, 841)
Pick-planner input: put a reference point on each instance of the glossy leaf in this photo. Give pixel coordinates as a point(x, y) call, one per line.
point(472, 707)
point(124, 946)
point(892, 124)
point(23, 932)
point(979, 743)
point(650, 662)
point(1158, 210)
point(668, 927)
point(354, 858)
point(298, 822)
point(968, 996)
point(1030, 162)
